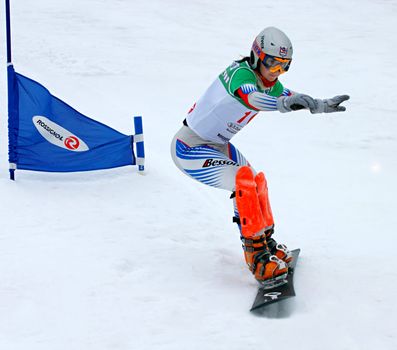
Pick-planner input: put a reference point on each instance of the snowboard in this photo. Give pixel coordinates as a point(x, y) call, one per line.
point(267, 296)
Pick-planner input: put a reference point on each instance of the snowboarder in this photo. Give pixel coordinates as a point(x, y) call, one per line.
point(202, 149)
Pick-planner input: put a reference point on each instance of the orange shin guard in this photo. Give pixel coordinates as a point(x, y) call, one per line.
point(263, 196)
point(247, 201)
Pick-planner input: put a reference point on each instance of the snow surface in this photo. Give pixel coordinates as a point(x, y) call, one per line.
point(114, 260)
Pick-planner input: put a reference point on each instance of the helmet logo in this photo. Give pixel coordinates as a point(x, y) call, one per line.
point(257, 49)
point(283, 51)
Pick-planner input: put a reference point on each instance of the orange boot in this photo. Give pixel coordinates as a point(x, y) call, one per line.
point(267, 268)
point(279, 250)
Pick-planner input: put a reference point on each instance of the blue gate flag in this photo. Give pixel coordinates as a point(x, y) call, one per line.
point(46, 134)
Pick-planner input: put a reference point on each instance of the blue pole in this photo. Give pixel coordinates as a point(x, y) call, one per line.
point(138, 140)
point(8, 31)
point(10, 74)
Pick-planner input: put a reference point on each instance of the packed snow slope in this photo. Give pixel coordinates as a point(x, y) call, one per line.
point(114, 260)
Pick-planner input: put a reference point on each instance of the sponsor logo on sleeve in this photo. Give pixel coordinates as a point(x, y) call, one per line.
point(57, 135)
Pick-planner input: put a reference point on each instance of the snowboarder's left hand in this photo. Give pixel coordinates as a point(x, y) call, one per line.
point(329, 105)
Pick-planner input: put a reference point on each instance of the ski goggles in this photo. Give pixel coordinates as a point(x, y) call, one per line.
point(275, 64)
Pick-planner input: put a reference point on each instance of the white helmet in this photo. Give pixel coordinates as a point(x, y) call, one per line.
point(270, 42)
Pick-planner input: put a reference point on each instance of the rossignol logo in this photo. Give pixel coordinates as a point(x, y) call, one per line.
point(51, 131)
point(72, 142)
point(217, 162)
point(57, 135)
